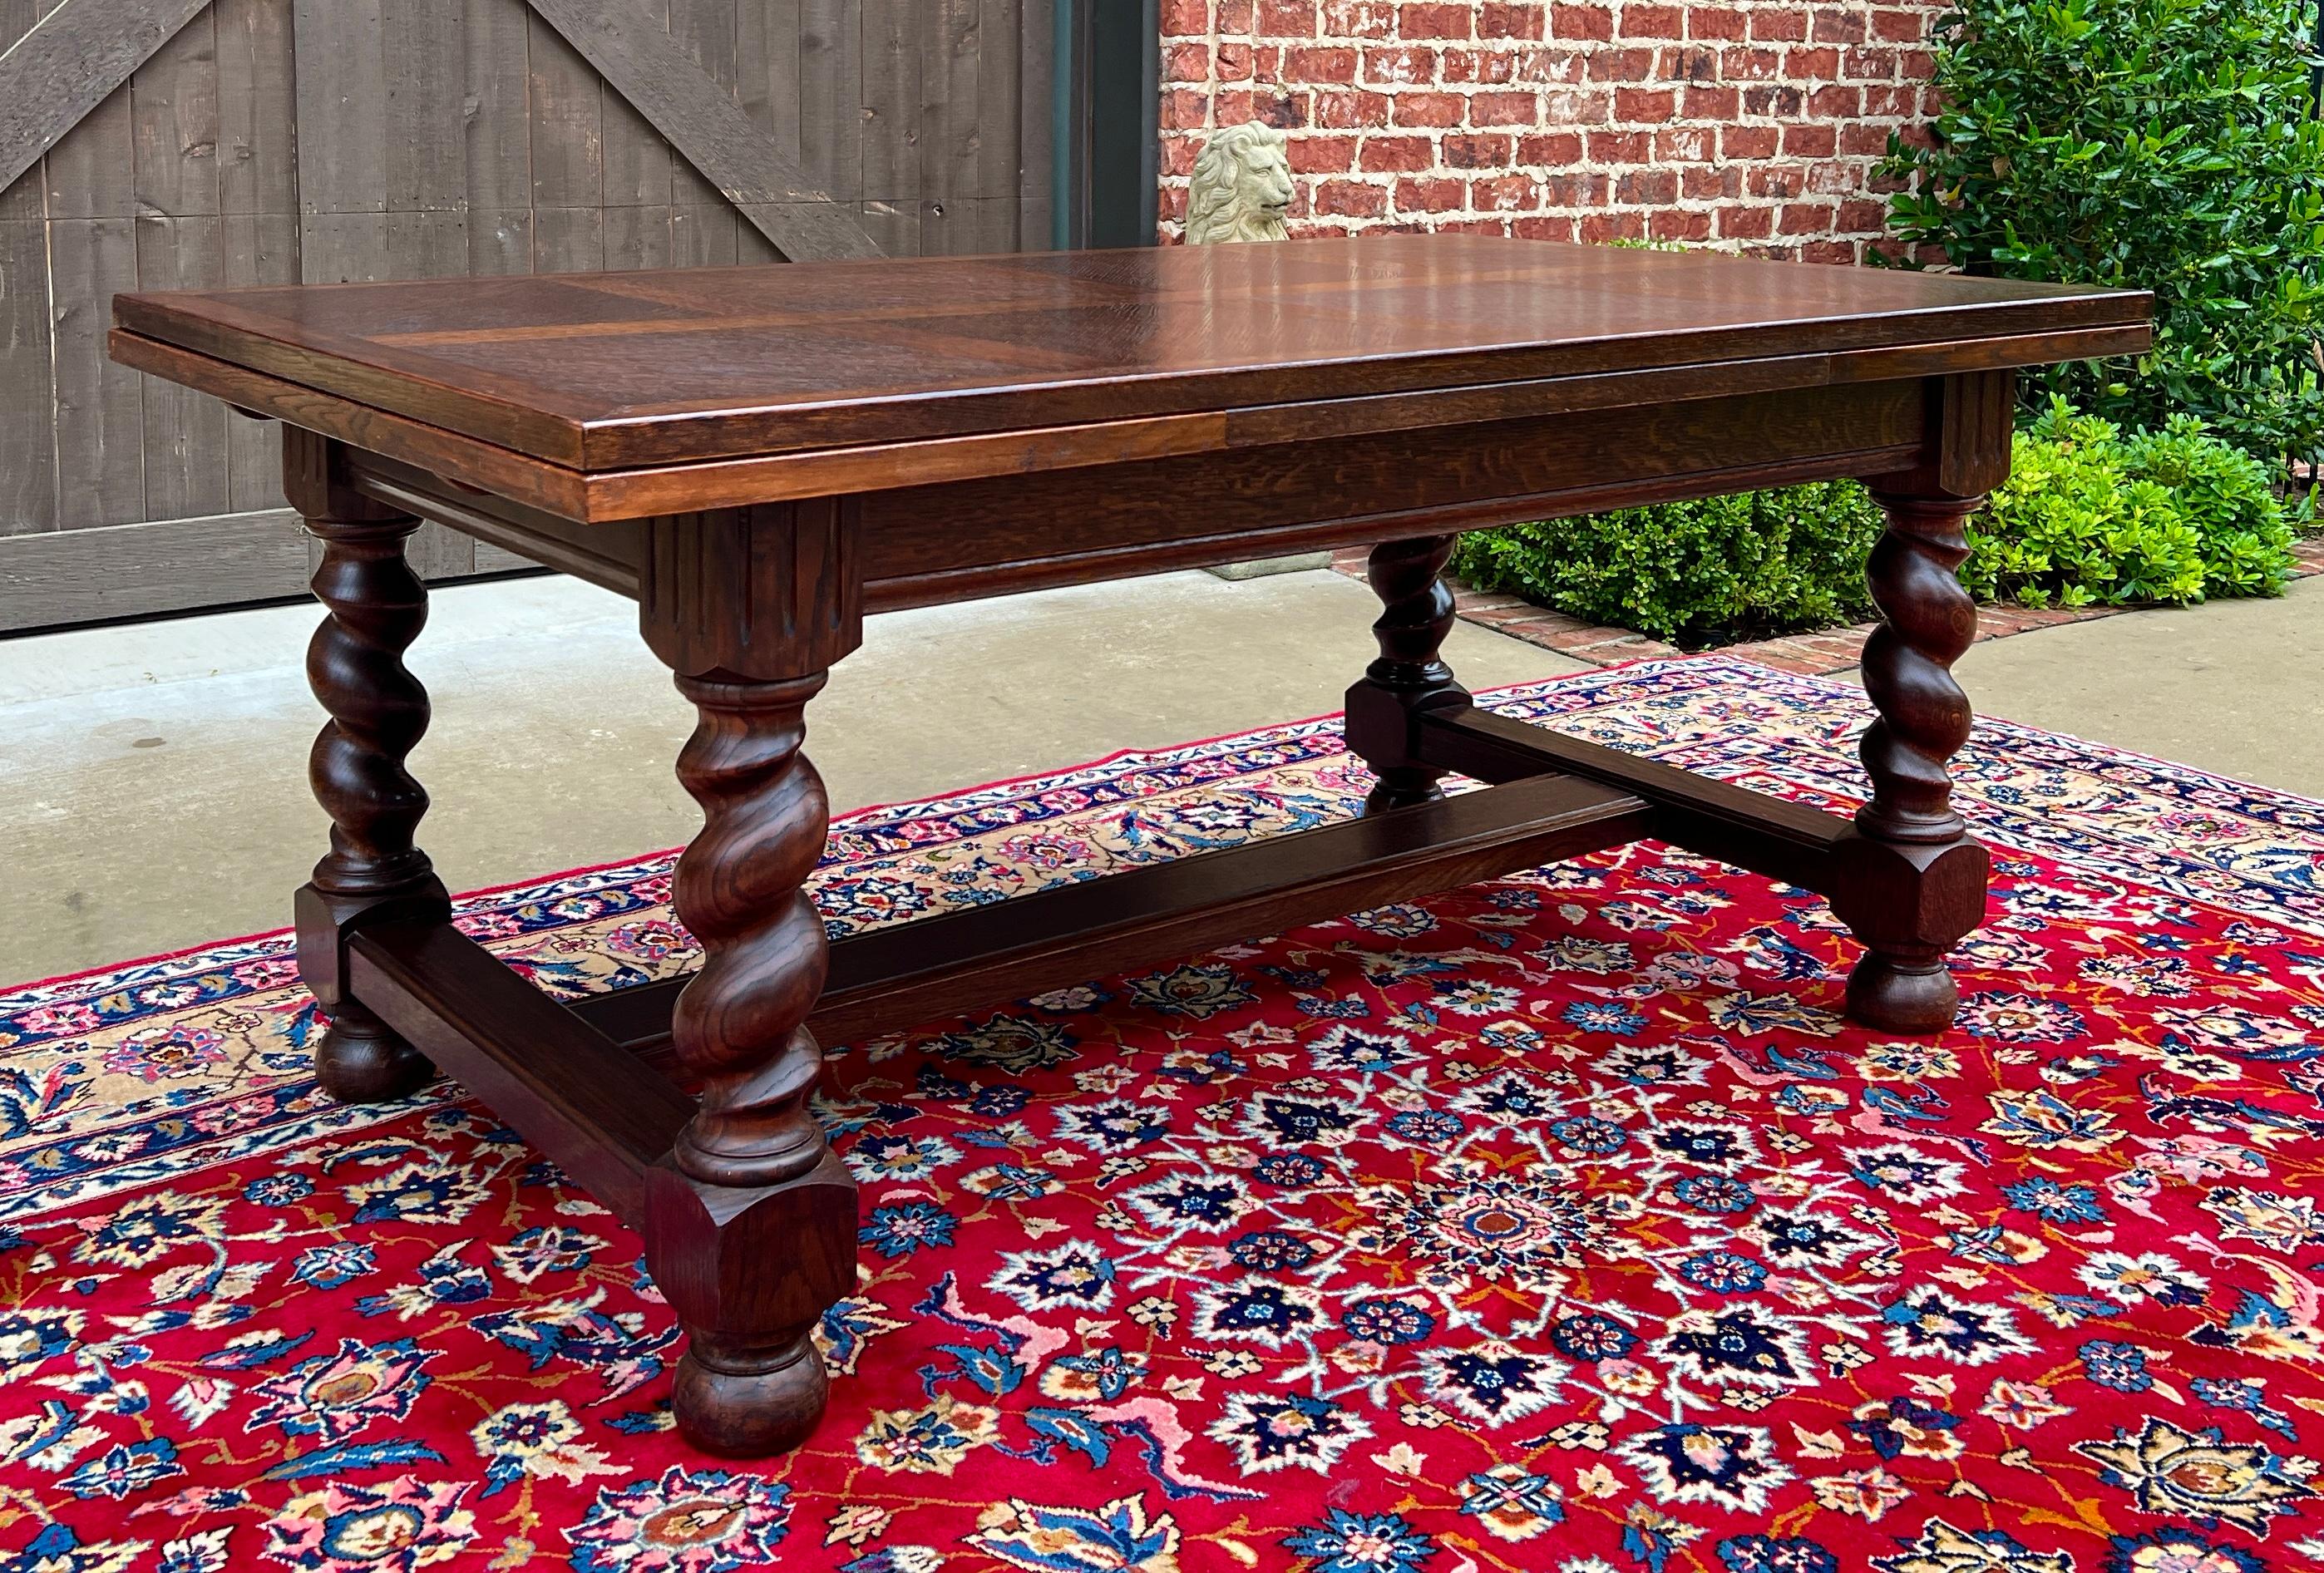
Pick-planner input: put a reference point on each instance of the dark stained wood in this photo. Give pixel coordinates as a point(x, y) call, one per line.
point(1791, 841)
point(675, 368)
point(67, 64)
point(753, 1224)
point(375, 870)
point(1294, 495)
point(637, 55)
point(1976, 416)
point(460, 460)
point(748, 608)
point(605, 554)
point(739, 1026)
point(750, 1274)
point(603, 1115)
point(1908, 901)
point(1862, 415)
point(930, 431)
point(769, 593)
point(1927, 621)
point(1410, 676)
point(999, 535)
point(888, 979)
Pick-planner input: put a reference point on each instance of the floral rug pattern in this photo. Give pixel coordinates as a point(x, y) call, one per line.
point(1557, 1224)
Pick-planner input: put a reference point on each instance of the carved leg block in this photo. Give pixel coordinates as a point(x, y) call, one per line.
point(1909, 906)
point(378, 712)
point(749, 1274)
point(1409, 678)
point(1915, 883)
point(359, 1058)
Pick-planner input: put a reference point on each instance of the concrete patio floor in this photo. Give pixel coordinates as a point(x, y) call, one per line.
point(2236, 686)
point(152, 776)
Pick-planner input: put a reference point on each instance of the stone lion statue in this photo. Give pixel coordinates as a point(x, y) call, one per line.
point(1242, 185)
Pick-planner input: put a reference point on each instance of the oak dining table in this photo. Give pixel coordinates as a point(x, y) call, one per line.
point(761, 455)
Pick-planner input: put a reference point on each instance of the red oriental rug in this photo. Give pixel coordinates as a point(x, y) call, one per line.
point(1557, 1225)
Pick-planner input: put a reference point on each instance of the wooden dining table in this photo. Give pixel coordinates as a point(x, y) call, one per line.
point(761, 456)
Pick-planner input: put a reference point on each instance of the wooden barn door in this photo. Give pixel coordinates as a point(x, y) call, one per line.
point(192, 143)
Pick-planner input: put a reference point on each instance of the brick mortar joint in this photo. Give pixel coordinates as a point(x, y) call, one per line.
point(1847, 47)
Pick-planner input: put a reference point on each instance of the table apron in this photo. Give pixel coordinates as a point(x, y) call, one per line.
point(963, 540)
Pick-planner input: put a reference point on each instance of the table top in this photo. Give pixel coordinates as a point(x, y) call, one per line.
point(607, 371)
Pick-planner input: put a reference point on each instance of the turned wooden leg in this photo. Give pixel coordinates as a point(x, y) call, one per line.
point(741, 891)
point(1914, 881)
point(377, 607)
point(1409, 678)
point(752, 1187)
point(750, 1226)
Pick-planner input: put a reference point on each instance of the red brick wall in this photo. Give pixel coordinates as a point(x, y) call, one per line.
point(1751, 122)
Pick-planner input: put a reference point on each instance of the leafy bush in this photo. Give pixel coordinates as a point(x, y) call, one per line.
point(2088, 517)
point(2163, 144)
point(1696, 573)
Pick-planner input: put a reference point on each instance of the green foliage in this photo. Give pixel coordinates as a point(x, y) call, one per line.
point(2164, 144)
point(1696, 573)
point(2088, 517)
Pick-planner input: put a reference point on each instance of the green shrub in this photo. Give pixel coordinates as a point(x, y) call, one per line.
point(2229, 497)
point(2164, 144)
point(1696, 573)
point(2088, 517)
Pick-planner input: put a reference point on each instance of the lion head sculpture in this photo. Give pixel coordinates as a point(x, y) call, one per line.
point(1242, 185)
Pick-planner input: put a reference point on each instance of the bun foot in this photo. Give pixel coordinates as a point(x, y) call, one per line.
point(1893, 995)
point(1393, 794)
point(361, 1061)
point(748, 1403)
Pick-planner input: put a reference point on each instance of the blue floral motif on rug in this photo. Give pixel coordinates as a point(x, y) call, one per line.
point(1556, 1224)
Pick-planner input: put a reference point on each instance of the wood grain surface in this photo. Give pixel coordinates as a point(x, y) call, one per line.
point(605, 372)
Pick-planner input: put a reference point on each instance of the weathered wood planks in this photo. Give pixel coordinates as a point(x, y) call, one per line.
point(280, 141)
point(69, 62)
point(650, 69)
